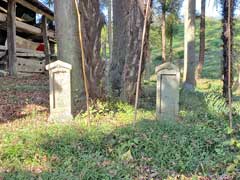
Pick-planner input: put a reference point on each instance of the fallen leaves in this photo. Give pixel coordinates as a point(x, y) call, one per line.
point(20, 97)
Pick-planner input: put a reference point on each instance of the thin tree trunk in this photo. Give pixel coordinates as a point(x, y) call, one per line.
point(110, 43)
point(164, 58)
point(110, 38)
point(202, 41)
point(230, 15)
point(189, 46)
point(171, 48)
point(227, 42)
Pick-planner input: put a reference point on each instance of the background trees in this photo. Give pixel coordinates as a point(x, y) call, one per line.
point(169, 15)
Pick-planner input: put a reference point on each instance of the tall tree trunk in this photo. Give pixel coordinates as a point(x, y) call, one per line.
point(163, 27)
point(92, 24)
point(226, 42)
point(121, 10)
point(136, 22)
point(189, 45)
point(202, 40)
point(128, 20)
point(68, 41)
point(110, 43)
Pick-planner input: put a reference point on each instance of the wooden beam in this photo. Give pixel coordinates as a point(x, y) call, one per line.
point(23, 50)
point(24, 27)
point(11, 36)
point(34, 8)
point(45, 39)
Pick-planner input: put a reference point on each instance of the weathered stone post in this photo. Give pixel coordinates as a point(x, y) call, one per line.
point(167, 102)
point(60, 91)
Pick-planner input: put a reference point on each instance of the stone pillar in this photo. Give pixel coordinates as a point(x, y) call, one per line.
point(167, 102)
point(60, 91)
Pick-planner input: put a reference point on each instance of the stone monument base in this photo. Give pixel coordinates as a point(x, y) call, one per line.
point(60, 117)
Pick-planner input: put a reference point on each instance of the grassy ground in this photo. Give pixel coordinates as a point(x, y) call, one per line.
point(195, 147)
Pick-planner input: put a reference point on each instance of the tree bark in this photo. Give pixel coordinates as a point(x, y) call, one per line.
point(226, 42)
point(92, 24)
point(68, 41)
point(110, 43)
point(121, 10)
point(128, 20)
point(11, 36)
point(189, 45)
point(163, 27)
point(202, 41)
point(110, 38)
point(136, 22)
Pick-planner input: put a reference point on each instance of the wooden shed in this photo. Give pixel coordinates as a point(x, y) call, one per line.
point(27, 36)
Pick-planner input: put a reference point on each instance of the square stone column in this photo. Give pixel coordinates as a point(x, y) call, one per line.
point(60, 91)
point(167, 99)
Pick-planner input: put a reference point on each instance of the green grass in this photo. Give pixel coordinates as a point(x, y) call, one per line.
point(112, 148)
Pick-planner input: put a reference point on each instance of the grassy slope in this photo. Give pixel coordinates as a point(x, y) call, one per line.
point(111, 148)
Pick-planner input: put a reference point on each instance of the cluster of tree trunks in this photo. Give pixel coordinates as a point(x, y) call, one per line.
point(92, 23)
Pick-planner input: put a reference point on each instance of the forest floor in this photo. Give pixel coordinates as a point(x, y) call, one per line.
point(198, 146)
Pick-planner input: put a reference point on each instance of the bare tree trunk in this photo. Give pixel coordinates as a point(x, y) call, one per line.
point(202, 41)
point(110, 38)
point(171, 48)
point(227, 42)
point(164, 58)
point(120, 41)
point(68, 41)
point(92, 24)
point(136, 22)
point(110, 43)
point(189, 45)
point(128, 20)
